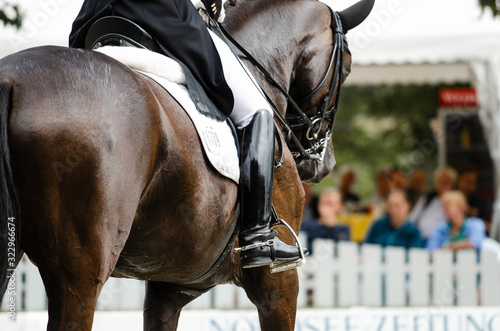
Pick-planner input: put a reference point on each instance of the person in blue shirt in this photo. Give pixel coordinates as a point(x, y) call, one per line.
point(327, 225)
point(394, 229)
point(457, 231)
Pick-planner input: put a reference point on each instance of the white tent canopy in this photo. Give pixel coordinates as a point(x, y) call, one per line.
point(403, 41)
point(46, 22)
point(428, 41)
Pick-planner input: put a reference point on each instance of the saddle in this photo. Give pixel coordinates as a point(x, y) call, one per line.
point(119, 31)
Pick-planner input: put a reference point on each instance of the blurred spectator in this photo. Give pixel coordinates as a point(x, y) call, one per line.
point(398, 180)
point(376, 205)
point(394, 228)
point(428, 211)
point(417, 186)
point(349, 198)
point(326, 226)
point(488, 221)
point(467, 183)
point(457, 232)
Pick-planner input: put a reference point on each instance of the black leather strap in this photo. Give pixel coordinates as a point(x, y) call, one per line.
point(273, 253)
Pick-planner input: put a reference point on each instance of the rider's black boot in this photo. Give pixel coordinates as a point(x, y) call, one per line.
point(259, 244)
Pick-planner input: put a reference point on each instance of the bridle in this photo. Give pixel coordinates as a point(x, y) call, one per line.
point(299, 121)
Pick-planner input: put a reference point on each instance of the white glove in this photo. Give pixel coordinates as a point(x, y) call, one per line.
point(198, 4)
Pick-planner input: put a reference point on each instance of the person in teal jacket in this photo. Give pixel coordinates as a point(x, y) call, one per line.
point(394, 228)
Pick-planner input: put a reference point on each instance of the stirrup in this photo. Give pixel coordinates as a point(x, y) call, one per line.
point(283, 266)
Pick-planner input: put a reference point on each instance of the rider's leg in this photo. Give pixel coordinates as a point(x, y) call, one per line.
point(256, 180)
point(248, 97)
point(253, 115)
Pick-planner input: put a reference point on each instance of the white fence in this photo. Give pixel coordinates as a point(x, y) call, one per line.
point(393, 277)
point(337, 275)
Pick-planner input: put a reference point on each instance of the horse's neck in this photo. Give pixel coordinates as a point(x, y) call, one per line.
point(274, 33)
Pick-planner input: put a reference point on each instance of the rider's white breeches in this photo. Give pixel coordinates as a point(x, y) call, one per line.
point(248, 97)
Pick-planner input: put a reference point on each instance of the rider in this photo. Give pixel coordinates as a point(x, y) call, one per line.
point(178, 27)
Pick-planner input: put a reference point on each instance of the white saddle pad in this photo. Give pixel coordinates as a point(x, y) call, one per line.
point(216, 137)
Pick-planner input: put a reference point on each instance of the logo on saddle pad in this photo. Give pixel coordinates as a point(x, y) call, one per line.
point(216, 137)
point(211, 140)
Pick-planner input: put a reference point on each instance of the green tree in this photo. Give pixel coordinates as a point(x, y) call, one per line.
point(491, 4)
point(379, 126)
point(10, 14)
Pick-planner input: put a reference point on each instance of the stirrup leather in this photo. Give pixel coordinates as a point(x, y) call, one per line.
point(283, 266)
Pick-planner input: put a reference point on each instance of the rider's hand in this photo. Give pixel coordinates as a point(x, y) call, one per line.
point(216, 9)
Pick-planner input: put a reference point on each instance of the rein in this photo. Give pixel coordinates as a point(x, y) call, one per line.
point(300, 121)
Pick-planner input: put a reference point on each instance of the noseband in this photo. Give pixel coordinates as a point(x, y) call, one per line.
point(299, 121)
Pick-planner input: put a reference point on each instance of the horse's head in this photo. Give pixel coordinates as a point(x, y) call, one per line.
point(325, 65)
point(302, 44)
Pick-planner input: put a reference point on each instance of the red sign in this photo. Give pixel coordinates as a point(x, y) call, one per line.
point(458, 97)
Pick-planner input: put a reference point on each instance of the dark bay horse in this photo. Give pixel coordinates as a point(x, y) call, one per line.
point(105, 176)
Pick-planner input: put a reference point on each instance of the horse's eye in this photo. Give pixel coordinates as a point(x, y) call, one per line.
point(347, 71)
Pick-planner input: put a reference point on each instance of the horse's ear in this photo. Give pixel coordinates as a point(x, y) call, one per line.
point(356, 14)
